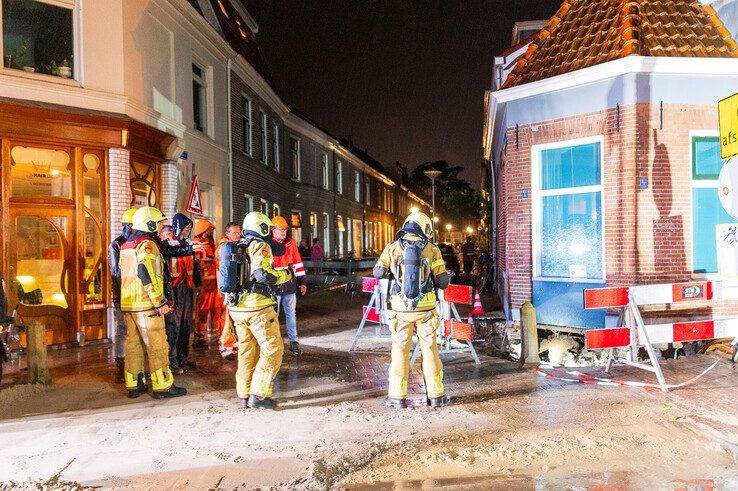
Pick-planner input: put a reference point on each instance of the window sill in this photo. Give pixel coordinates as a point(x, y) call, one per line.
point(40, 77)
point(569, 280)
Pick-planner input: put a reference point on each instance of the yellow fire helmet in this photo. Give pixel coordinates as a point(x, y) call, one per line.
point(422, 220)
point(258, 223)
point(128, 216)
point(146, 219)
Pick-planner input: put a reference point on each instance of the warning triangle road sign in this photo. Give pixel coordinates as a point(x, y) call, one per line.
point(194, 204)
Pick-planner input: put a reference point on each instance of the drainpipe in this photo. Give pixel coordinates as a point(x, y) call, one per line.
point(362, 190)
point(335, 212)
point(230, 142)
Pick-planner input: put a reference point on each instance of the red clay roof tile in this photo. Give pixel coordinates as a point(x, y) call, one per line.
point(585, 33)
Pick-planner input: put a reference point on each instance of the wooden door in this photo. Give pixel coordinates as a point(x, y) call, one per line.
point(42, 271)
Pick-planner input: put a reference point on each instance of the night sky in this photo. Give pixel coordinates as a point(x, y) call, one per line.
point(405, 79)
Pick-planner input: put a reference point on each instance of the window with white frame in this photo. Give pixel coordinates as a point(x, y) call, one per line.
point(207, 200)
point(264, 207)
point(567, 210)
point(327, 234)
point(313, 225)
point(339, 177)
point(341, 231)
point(246, 125)
point(325, 173)
point(275, 144)
point(294, 158)
point(367, 192)
point(357, 186)
point(249, 203)
point(199, 98)
point(38, 37)
point(263, 154)
point(276, 210)
point(296, 225)
point(707, 212)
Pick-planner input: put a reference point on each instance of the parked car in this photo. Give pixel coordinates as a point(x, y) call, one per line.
point(450, 257)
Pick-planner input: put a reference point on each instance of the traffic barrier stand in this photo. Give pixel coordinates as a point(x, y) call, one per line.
point(452, 327)
point(637, 334)
point(375, 312)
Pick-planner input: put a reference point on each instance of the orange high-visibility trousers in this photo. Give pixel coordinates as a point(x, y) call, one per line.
point(210, 303)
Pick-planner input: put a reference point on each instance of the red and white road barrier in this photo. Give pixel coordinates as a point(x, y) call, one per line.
point(375, 312)
point(637, 333)
point(452, 327)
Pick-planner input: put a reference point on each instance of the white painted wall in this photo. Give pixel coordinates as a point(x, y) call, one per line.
point(162, 38)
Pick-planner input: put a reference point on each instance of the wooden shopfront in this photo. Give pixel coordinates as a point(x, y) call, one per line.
point(55, 209)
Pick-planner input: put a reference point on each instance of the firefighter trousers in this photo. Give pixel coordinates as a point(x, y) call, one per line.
point(260, 351)
point(146, 336)
point(402, 325)
point(180, 323)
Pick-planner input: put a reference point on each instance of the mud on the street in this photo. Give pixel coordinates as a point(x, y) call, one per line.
point(508, 428)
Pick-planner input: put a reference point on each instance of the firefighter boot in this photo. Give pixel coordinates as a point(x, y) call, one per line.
point(396, 403)
point(119, 370)
point(439, 401)
point(256, 402)
point(140, 387)
point(172, 391)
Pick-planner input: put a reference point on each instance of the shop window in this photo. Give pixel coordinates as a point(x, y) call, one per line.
point(93, 198)
point(40, 275)
point(92, 277)
point(707, 212)
point(40, 172)
point(143, 185)
point(568, 211)
point(38, 37)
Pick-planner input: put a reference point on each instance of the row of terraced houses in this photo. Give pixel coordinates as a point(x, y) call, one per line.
point(110, 104)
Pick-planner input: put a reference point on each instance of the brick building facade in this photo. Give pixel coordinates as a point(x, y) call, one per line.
point(606, 170)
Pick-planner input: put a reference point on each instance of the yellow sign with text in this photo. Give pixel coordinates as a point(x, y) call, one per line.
point(728, 115)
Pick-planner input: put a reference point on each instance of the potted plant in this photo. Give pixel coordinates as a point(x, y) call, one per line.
point(61, 69)
point(65, 71)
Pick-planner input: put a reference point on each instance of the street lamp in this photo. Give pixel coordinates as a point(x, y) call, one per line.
point(469, 230)
point(432, 174)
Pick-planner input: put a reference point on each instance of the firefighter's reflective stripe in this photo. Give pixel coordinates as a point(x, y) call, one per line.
point(135, 296)
point(260, 257)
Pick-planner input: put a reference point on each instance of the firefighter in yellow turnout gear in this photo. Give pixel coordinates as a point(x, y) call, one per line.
point(260, 347)
point(144, 305)
point(416, 268)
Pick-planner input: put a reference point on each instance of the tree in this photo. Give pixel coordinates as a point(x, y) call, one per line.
point(454, 196)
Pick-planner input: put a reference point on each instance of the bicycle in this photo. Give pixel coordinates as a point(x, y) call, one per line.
point(10, 330)
point(485, 267)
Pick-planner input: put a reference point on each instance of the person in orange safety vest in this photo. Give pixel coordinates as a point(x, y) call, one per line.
point(287, 292)
point(209, 301)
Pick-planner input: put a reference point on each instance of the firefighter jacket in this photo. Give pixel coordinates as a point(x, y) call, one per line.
point(263, 274)
point(142, 274)
point(432, 267)
point(205, 258)
point(292, 260)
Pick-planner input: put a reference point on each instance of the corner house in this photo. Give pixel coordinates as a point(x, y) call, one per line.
point(604, 144)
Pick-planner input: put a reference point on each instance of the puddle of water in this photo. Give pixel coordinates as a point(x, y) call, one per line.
point(598, 482)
